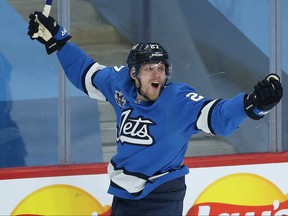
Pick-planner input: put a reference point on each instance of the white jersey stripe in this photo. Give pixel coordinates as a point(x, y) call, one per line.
point(130, 183)
point(203, 120)
point(91, 90)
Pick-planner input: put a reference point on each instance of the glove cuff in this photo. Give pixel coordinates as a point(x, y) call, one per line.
point(251, 110)
point(52, 45)
point(58, 40)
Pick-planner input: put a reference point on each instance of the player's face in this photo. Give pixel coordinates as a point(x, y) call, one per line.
point(150, 79)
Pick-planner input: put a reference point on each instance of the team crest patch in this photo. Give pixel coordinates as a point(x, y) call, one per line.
point(119, 98)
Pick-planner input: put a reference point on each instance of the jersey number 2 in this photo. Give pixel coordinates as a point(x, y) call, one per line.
point(194, 96)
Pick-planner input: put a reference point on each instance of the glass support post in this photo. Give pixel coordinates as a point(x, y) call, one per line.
point(275, 67)
point(64, 121)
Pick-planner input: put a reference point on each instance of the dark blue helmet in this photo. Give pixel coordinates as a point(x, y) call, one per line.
point(142, 53)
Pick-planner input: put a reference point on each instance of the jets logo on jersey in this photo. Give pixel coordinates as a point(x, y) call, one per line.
point(135, 130)
point(119, 98)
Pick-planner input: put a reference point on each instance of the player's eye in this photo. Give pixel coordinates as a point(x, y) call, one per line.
point(161, 68)
point(151, 67)
point(148, 67)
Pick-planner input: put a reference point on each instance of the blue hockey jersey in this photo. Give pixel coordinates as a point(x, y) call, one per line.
point(152, 137)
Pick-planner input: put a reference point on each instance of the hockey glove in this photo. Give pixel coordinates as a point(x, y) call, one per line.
point(267, 94)
point(47, 31)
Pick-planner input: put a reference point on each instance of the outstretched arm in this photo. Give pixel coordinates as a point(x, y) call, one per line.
point(223, 117)
point(75, 62)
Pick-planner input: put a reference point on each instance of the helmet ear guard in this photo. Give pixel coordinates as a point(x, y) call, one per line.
point(133, 71)
point(169, 70)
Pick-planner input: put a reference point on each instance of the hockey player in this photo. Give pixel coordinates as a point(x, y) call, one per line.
point(147, 173)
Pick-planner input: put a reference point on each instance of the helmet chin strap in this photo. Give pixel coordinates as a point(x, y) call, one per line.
point(140, 92)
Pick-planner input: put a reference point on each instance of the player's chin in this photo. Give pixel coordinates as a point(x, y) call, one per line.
point(154, 96)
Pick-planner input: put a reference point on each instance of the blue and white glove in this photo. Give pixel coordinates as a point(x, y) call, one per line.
point(47, 31)
point(267, 94)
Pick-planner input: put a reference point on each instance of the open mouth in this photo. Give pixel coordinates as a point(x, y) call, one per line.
point(155, 84)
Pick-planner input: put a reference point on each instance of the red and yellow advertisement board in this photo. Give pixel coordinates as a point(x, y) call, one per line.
point(248, 185)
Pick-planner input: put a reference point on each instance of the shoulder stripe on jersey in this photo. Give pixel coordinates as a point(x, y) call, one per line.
point(204, 120)
point(83, 78)
point(87, 79)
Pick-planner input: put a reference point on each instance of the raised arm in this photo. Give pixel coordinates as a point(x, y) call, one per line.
point(78, 66)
